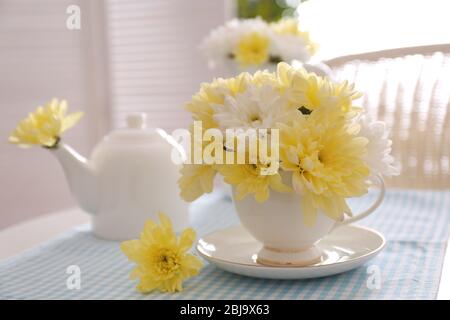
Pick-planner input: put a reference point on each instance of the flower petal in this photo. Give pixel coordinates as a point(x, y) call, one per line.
point(165, 221)
point(71, 120)
point(186, 239)
point(132, 249)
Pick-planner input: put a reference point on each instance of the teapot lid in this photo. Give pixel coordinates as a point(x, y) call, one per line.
point(136, 131)
point(136, 135)
point(137, 121)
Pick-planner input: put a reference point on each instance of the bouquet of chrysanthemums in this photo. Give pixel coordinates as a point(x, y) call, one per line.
point(253, 44)
point(300, 133)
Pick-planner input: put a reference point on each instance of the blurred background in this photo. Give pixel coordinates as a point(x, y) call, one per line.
point(138, 55)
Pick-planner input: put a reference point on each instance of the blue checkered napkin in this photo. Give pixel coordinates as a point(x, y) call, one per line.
point(416, 224)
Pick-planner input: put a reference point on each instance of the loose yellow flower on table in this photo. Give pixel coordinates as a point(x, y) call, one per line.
point(162, 260)
point(252, 49)
point(45, 126)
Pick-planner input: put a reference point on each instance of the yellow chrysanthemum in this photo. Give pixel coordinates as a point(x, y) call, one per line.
point(214, 93)
point(196, 180)
point(248, 178)
point(326, 161)
point(309, 92)
point(264, 78)
point(290, 26)
point(45, 126)
point(252, 49)
point(162, 260)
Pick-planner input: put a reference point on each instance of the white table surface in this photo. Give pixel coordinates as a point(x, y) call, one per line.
point(23, 236)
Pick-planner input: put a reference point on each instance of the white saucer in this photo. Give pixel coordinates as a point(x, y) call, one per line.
point(346, 248)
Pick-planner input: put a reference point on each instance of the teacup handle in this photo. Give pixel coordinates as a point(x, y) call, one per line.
point(372, 208)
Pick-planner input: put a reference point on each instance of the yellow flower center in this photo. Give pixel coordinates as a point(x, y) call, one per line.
point(252, 169)
point(256, 169)
point(255, 119)
point(252, 49)
point(167, 261)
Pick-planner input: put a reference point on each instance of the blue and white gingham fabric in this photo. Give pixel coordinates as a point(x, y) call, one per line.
point(416, 224)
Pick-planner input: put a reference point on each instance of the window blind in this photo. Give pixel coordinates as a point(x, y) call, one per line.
point(40, 58)
point(155, 65)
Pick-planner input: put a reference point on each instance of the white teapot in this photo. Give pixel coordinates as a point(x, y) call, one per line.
point(129, 179)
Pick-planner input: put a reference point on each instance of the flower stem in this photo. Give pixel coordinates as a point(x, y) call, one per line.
point(55, 145)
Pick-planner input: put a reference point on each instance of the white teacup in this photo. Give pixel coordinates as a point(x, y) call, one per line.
point(278, 225)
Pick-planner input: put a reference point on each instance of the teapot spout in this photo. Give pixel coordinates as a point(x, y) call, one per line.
point(80, 177)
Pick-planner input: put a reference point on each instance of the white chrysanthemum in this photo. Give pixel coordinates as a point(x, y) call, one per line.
point(221, 43)
point(257, 107)
point(245, 26)
point(290, 47)
point(378, 156)
point(281, 41)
